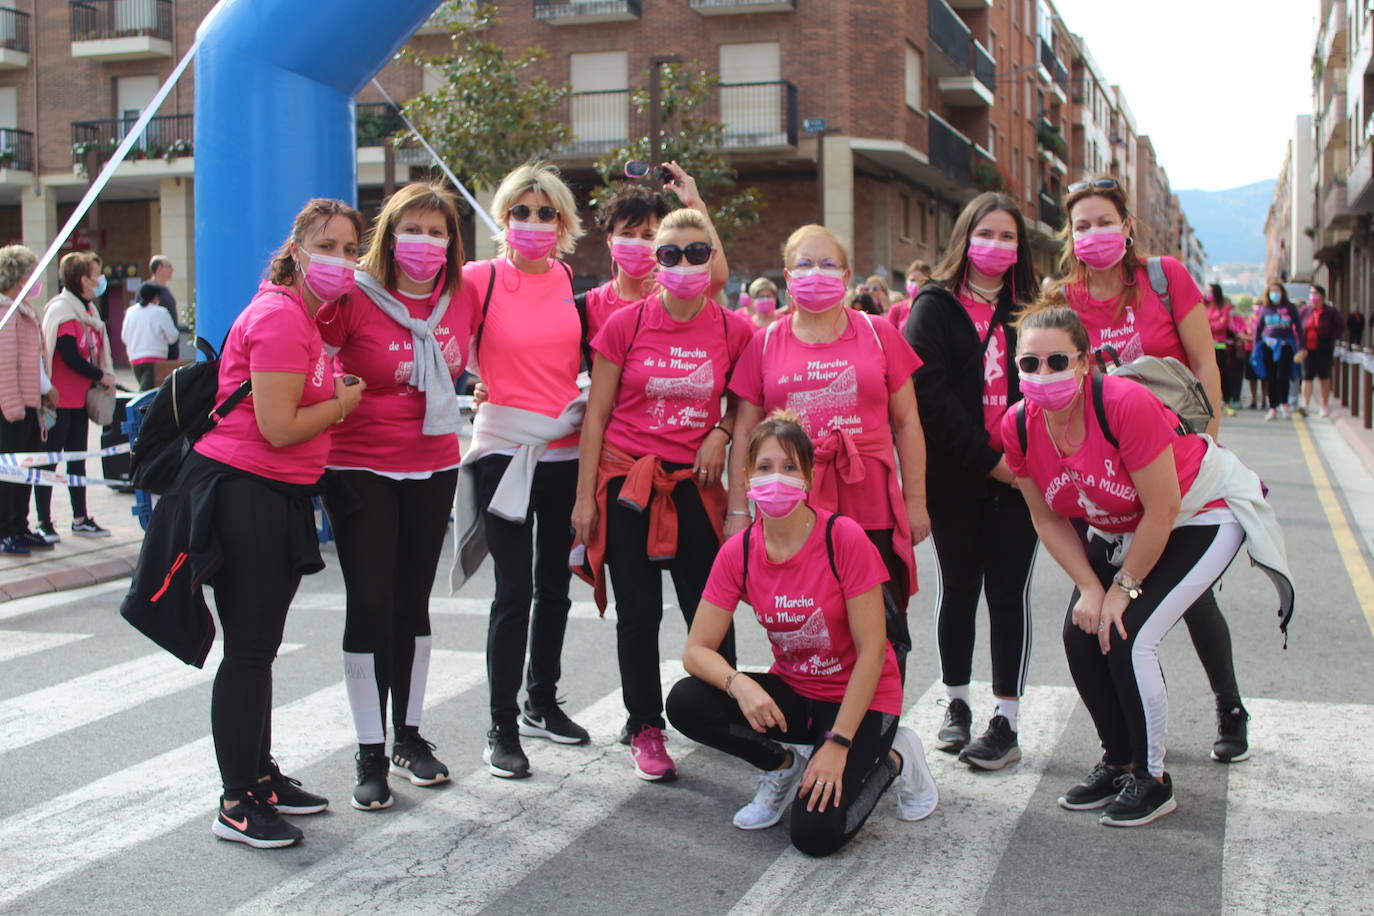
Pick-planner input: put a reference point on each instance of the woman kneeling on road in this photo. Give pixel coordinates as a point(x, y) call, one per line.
point(825, 715)
point(1168, 511)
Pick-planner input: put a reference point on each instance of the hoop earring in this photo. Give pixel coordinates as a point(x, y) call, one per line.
point(1130, 240)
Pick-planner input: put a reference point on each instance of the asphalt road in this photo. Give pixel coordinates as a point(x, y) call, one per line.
point(108, 784)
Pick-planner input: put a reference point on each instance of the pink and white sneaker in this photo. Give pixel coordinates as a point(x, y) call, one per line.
point(651, 757)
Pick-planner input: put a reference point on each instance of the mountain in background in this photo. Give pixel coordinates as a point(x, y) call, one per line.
point(1231, 222)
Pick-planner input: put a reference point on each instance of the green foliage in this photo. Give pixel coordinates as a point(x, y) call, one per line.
point(487, 115)
point(692, 138)
point(1243, 303)
point(989, 177)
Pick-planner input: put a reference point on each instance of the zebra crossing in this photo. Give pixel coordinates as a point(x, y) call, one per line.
point(1296, 824)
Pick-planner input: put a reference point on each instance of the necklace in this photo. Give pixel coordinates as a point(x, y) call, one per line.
point(987, 295)
point(1073, 446)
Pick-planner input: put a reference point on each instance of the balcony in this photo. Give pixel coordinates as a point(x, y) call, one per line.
point(586, 12)
point(1336, 211)
point(1334, 123)
point(600, 122)
point(1052, 71)
point(1050, 212)
point(16, 151)
point(950, 151)
point(115, 30)
point(165, 148)
point(973, 5)
point(741, 7)
point(949, 35)
point(14, 39)
point(1332, 46)
point(758, 116)
point(984, 66)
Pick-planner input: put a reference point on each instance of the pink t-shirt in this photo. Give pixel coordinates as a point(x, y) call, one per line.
point(274, 333)
point(1148, 329)
point(995, 368)
point(802, 607)
point(72, 385)
point(898, 313)
point(385, 433)
point(841, 385)
point(673, 374)
point(1219, 319)
point(603, 302)
point(1094, 483)
point(531, 348)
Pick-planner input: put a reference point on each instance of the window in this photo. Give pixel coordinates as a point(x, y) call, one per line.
point(9, 107)
point(1030, 178)
point(992, 138)
point(923, 218)
point(600, 101)
point(751, 111)
point(1015, 166)
point(915, 71)
point(904, 227)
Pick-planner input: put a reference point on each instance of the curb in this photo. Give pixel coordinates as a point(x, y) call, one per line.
point(1352, 430)
point(103, 570)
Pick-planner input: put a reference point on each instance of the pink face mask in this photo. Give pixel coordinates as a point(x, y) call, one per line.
point(766, 306)
point(533, 241)
point(776, 495)
point(329, 278)
point(1315, 300)
point(816, 289)
point(686, 281)
point(991, 257)
point(1100, 248)
point(912, 289)
point(634, 256)
point(420, 256)
point(1055, 391)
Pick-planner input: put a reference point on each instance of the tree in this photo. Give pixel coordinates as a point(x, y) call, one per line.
point(692, 138)
point(487, 114)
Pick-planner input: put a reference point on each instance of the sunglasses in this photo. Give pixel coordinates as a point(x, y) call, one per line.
point(1058, 362)
point(1097, 184)
point(697, 253)
point(522, 212)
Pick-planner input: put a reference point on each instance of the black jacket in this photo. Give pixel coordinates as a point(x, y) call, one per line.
point(949, 391)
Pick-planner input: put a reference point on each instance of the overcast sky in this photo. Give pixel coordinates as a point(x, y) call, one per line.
point(1215, 83)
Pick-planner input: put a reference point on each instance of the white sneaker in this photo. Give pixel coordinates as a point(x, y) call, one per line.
point(776, 791)
point(1326, 411)
point(917, 795)
point(1285, 411)
point(1270, 415)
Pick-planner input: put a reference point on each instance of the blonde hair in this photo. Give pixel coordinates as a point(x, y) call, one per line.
point(762, 285)
point(542, 178)
point(379, 261)
point(16, 263)
point(800, 237)
point(682, 219)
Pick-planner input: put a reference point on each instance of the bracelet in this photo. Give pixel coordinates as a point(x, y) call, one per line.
point(839, 739)
point(727, 684)
point(343, 414)
point(739, 512)
point(729, 438)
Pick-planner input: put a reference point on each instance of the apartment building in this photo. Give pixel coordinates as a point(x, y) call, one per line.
point(1289, 227)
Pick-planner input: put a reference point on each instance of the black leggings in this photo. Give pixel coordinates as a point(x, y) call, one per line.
point(389, 548)
point(21, 435)
point(1278, 374)
point(253, 590)
point(531, 564)
point(706, 715)
point(1124, 690)
point(638, 584)
point(1228, 365)
point(896, 596)
point(67, 435)
point(986, 545)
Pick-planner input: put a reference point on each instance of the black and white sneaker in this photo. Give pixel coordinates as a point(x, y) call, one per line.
point(88, 528)
point(954, 735)
point(1142, 799)
point(256, 823)
point(1096, 791)
point(47, 532)
point(552, 723)
point(1232, 744)
point(995, 748)
point(34, 541)
point(286, 795)
point(503, 755)
point(372, 792)
point(413, 757)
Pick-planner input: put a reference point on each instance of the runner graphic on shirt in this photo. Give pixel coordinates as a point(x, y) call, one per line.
point(822, 409)
point(681, 400)
point(807, 649)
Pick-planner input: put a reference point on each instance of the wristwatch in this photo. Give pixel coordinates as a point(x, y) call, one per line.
point(1128, 584)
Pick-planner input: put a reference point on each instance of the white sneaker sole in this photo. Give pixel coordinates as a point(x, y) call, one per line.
point(225, 832)
point(1166, 808)
point(763, 826)
point(375, 806)
point(306, 809)
point(1085, 806)
point(399, 770)
point(497, 771)
point(529, 730)
point(91, 534)
point(1243, 755)
point(667, 776)
point(978, 763)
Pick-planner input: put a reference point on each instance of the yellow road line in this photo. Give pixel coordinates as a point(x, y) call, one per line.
point(1355, 565)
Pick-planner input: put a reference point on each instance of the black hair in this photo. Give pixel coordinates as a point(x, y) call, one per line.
point(1319, 288)
point(148, 292)
point(633, 205)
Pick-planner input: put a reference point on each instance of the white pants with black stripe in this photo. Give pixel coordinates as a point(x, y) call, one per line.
point(1124, 689)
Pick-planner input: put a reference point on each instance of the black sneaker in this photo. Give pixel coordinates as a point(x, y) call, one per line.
point(87, 528)
point(372, 792)
point(1142, 799)
point(954, 735)
point(995, 748)
point(47, 532)
point(552, 723)
point(256, 823)
point(413, 757)
point(34, 541)
point(14, 546)
point(625, 734)
point(286, 795)
point(1231, 745)
point(503, 755)
point(1096, 791)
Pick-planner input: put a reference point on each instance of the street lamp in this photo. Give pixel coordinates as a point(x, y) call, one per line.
point(655, 100)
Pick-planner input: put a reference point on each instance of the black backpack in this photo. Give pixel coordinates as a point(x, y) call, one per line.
point(182, 411)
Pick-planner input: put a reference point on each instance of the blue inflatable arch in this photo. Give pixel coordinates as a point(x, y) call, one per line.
point(275, 83)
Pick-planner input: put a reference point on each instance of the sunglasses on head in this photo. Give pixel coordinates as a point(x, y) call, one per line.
point(522, 213)
point(697, 253)
point(1097, 184)
point(1030, 363)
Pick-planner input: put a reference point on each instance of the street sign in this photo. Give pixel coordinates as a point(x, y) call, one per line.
point(814, 125)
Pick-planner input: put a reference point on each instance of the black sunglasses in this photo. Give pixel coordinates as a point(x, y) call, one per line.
point(697, 253)
point(1030, 363)
point(1097, 184)
point(522, 212)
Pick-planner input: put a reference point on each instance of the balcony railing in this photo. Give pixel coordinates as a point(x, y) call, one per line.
point(377, 121)
point(950, 151)
point(16, 149)
point(14, 30)
point(950, 35)
point(1054, 66)
point(1051, 214)
point(98, 20)
point(569, 12)
point(166, 137)
point(600, 121)
point(984, 67)
point(720, 7)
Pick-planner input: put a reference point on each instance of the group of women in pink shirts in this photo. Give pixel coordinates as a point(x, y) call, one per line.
point(793, 463)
